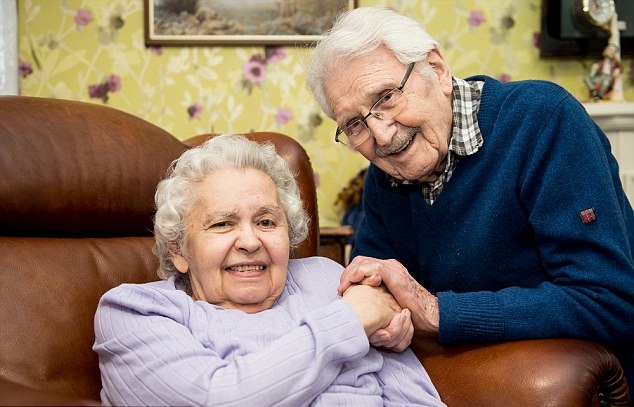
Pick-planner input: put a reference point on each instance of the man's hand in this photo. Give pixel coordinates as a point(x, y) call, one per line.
point(405, 289)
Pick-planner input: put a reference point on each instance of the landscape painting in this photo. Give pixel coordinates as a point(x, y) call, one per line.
point(232, 22)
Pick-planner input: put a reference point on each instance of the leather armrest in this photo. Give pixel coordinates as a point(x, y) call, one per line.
point(14, 394)
point(549, 372)
point(545, 372)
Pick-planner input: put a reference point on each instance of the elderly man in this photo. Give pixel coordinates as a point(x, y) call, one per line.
point(493, 211)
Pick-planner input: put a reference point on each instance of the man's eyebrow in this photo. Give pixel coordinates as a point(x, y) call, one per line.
point(371, 95)
point(377, 88)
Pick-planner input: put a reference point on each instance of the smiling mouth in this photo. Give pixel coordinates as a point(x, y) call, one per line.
point(405, 138)
point(244, 269)
point(404, 147)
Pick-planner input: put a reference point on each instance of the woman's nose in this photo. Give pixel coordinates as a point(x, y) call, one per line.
point(247, 239)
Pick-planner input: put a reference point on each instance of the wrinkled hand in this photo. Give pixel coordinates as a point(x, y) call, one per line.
point(374, 306)
point(405, 289)
point(397, 335)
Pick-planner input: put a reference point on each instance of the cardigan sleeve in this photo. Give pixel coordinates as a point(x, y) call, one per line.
point(149, 354)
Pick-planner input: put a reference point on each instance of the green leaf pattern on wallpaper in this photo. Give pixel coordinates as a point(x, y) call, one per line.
point(94, 51)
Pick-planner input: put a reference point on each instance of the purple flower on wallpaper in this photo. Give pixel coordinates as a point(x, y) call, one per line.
point(98, 91)
point(101, 90)
point(194, 110)
point(25, 68)
point(83, 17)
point(156, 50)
point(274, 54)
point(114, 83)
point(253, 70)
point(283, 115)
point(476, 18)
point(505, 77)
point(537, 39)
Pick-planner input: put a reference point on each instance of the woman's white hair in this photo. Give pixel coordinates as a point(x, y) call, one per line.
point(358, 32)
point(175, 196)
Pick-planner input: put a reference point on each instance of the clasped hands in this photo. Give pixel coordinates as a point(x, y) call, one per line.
point(388, 301)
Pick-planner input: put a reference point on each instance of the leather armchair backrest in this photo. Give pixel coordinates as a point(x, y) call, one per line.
point(77, 183)
point(77, 169)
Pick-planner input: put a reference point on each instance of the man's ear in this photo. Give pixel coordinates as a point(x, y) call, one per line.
point(179, 261)
point(438, 64)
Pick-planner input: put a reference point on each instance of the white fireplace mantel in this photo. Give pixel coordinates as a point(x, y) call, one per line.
point(617, 121)
point(612, 116)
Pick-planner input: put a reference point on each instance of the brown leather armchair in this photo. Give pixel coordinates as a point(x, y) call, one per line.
point(76, 204)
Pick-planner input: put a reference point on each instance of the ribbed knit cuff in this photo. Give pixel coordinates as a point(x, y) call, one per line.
point(469, 317)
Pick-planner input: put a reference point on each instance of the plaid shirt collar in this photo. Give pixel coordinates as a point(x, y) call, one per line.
point(466, 138)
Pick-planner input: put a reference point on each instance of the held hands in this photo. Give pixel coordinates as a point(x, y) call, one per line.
point(406, 291)
point(375, 307)
point(397, 335)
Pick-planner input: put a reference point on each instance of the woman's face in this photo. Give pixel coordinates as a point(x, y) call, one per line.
point(238, 245)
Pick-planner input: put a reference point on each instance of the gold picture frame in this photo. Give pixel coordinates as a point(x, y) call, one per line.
point(239, 22)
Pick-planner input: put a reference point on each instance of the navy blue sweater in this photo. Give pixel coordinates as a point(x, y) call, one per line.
point(504, 246)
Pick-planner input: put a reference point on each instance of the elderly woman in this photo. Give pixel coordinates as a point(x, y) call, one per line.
point(234, 321)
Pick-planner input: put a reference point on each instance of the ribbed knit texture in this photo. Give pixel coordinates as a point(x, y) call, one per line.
point(504, 247)
point(157, 346)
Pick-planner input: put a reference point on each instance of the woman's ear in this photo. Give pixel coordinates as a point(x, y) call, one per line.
point(179, 261)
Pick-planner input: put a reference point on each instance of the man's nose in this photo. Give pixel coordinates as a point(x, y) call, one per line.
point(382, 130)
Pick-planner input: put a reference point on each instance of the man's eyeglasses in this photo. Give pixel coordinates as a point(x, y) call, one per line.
point(389, 105)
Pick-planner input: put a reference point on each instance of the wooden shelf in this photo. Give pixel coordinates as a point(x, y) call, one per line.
point(333, 243)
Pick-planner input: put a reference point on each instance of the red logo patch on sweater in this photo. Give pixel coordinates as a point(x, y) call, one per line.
point(588, 215)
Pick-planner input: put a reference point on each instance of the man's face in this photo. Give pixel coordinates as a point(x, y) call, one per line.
point(413, 144)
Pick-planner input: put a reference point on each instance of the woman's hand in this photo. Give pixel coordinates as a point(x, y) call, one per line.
point(405, 289)
point(374, 306)
point(397, 335)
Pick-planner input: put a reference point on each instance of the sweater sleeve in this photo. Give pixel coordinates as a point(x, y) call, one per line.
point(571, 195)
point(150, 354)
point(405, 382)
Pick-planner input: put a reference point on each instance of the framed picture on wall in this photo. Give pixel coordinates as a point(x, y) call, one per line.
point(239, 22)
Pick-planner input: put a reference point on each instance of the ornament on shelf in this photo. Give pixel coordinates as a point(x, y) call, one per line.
point(604, 80)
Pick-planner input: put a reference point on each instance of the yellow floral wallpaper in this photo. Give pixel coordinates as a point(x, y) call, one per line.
point(94, 51)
